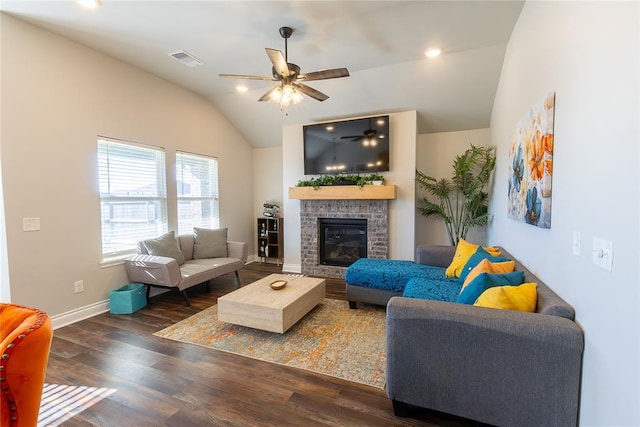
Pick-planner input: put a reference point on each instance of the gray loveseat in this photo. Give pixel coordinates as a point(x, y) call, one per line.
point(173, 272)
point(500, 367)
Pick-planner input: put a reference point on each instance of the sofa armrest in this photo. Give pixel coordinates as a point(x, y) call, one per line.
point(153, 270)
point(436, 255)
point(496, 366)
point(238, 250)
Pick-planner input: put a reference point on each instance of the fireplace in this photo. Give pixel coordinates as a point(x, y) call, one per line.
point(373, 212)
point(342, 241)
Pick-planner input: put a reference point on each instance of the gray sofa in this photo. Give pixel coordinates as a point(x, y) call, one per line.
point(500, 367)
point(165, 272)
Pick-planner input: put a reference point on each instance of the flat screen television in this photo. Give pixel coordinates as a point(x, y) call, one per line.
point(349, 146)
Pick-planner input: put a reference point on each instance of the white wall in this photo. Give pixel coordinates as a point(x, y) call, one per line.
point(588, 53)
point(403, 134)
point(57, 96)
point(435, 155)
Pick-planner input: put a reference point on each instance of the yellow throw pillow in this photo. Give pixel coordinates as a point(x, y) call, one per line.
point(464, 250)
point(518, 298)
point(485, 266)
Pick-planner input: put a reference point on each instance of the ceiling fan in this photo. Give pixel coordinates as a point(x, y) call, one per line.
point(289, 77)
point(368, 136)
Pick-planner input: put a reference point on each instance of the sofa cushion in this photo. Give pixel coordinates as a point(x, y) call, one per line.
point(464, 250)
point(518, 298)
point(486, 266)
point(165, 245)
point(475, 259)
point(444, 289)
point(387, 274)
point(485, 281)
point(209, 243)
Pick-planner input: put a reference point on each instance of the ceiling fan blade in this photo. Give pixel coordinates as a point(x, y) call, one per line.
point(267, 95)
point(278, 61)
point(244, 76)
point(353, 137)
point(325, 74)
point(315, 94)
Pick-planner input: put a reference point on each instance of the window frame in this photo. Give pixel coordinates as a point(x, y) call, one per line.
point(108, 201)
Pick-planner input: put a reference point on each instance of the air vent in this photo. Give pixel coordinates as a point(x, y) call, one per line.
point(186, 58)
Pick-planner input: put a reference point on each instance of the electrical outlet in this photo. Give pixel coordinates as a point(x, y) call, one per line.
point(602, 254)
point(78, 286)
point(31, 224)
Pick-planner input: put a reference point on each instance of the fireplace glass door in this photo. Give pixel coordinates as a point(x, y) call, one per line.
point(342, 241)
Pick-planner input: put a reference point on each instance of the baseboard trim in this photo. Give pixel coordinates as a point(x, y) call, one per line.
point(79, 314)
point(292, 268)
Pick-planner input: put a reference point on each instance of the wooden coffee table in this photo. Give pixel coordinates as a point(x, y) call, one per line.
point(258, 306)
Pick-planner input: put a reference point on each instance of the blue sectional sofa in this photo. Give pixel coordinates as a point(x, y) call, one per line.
point(500, 367)
point(375, 281)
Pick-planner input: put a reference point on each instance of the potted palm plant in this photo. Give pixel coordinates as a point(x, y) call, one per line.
point(462, 201)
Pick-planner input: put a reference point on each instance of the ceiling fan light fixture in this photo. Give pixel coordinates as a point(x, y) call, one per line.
point(286, 95)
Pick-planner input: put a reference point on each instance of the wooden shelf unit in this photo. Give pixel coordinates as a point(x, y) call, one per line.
point(270, 239)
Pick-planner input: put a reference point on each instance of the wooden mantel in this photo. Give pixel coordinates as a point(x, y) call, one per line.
point(344, 192)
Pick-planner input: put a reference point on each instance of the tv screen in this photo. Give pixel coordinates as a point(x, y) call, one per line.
point(350, 146)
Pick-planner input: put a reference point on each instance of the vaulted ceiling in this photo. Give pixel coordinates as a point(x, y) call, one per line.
point(382, 43)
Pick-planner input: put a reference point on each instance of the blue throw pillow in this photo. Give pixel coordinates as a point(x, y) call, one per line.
point(484, 281)
point(475, 259)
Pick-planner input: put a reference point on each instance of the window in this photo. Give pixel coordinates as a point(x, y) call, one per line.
point(197, 184)
point(133, 195)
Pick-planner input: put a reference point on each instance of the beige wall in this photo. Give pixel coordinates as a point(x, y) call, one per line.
point(435, 155)
point(267, 184)
point(57, 96)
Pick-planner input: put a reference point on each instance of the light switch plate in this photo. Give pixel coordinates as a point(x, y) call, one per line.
point(577, 242)
point(30, 224)
point(602, 254)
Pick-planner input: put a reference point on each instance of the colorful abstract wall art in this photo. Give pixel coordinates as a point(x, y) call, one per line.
point(531, 165)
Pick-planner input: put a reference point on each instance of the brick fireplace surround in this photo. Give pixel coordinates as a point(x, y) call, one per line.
point(374, 211)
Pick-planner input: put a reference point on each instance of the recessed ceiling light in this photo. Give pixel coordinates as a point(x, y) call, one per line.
point(329, 128)
point(241, 88)
point(433, 52)
point(91, 4)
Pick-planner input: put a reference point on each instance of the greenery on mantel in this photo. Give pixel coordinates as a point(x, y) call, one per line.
point(328, 180)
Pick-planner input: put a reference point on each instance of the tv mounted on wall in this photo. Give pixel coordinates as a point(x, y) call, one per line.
point(349, 146)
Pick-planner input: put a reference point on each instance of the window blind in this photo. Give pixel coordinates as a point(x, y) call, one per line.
point(133, 195)
point(197, 187)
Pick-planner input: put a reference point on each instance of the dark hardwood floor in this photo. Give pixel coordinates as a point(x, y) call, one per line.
point(158, 382)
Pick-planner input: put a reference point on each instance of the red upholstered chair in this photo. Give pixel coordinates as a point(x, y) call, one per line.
point(26, 335)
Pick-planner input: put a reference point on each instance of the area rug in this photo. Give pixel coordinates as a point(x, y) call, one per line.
point(331, 340)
